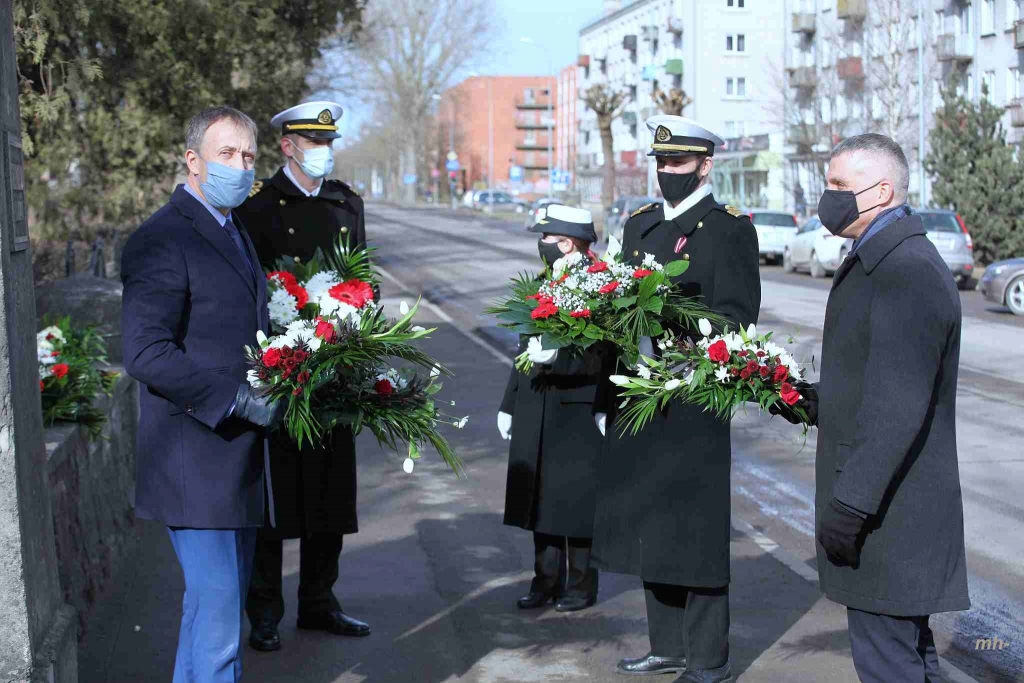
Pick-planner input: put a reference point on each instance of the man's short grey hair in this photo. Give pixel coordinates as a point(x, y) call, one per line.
point(880, 145)
point(201, 122)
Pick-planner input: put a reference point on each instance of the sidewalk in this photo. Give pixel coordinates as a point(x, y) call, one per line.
point(436, 574)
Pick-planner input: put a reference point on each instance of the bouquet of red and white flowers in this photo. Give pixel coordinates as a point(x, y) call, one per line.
point(720, 372)
point(583, 299)
point(331, 359)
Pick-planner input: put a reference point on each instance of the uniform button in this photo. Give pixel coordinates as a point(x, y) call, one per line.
point(344, 230)
point(298, 260)
point(291, 231)
point(700, 224)
point(636, 252)
point(686, 257)
point(282, 202)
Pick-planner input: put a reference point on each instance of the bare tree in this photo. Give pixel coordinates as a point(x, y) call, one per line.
point(608, 105)
point(674, 102)
point(410, 52)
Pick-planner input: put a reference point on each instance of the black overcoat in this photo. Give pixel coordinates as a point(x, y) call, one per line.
point(887, 425)
point(552, 484)
point(315, 489)
point(663, 510)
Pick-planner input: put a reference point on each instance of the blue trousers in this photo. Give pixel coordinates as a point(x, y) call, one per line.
point(217, 564)
point(892, 649)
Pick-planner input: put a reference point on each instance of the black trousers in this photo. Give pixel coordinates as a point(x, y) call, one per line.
point(318, 570)
point(892, 649)
point(689, 622)
point(561, 565)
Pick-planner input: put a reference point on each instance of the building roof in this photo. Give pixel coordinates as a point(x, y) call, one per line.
point(607, 18)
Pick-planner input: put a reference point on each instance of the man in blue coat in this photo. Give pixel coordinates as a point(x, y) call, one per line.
point(194, 296)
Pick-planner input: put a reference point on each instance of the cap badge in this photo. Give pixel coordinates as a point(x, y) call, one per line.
point(662, 134)
point(325, 116)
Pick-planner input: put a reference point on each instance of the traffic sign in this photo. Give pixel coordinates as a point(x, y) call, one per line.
point(452, 165)
point(515, 174)
point(409, 179)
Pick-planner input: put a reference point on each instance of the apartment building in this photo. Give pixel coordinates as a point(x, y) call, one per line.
point(723, 54)
point(853, 66)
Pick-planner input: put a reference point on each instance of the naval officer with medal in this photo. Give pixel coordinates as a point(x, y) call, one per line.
point(663, 507)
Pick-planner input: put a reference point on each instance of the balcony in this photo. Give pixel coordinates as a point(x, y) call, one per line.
point(675, 25)
point(583, 61)
point(1016, 108)
point(1018, 34)
point(954, 47)
point(629, 43)
point(530, 121)
point(855, 10)
point(804, 22)
point(534, 145)
point(674, 67)
point(650, 33)
point(533, 103)
point(850, 68)
point(803, 77)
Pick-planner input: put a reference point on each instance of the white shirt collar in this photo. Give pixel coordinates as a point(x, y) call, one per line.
point(291, 177)
point(672, 212)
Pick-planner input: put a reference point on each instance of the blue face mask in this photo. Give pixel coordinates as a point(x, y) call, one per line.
point(317, 162)
point(226, 187)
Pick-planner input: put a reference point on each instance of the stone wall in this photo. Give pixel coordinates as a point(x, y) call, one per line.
point(92, 492)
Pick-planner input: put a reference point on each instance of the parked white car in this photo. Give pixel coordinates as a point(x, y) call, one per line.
point(774, 230)
point(814, 249)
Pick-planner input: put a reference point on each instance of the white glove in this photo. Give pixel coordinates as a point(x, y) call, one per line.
point(536, 353)
point(505, 425)
point(600, 419)
point(646, 347)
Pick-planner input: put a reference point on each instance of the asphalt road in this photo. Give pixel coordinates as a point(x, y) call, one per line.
point(436, 573)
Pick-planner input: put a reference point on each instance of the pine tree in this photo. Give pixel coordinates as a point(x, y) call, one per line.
point(977, 174)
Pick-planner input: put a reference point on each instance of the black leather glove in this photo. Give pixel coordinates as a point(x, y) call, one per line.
point(259, 410)
point(838, 534)
point(809, 402)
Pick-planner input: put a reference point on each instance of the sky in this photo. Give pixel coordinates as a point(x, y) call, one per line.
point(554, 33)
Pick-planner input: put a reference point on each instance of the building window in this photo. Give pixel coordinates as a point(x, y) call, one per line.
point(632, 92)
point(728, 43)
point(741, 87)
point(741, 43)
point(988, 86)
point(1013, 84)
point(1014, 12)
point(988, 17)
point(734, 3)
point(729, 87)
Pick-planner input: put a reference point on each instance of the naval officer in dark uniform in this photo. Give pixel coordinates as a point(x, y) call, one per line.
point(551, 487)
point(292, 214)
point(663, 510)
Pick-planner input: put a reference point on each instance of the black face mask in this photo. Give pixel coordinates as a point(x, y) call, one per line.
point(549, 251)
point(676, 187)
point(837, 209)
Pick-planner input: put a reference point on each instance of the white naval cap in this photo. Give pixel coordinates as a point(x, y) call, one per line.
point(677, 135)
point(318, 120)
point(556, 219)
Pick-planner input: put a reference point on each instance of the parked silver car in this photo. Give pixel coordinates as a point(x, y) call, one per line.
point(947, 232)
point(1003, 283)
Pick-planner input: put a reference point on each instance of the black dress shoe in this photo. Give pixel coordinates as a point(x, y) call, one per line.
point(574, 602)
point(264, 637)
point(336, 622)
point(651, 664)
point(722, 674)
point(533, 600)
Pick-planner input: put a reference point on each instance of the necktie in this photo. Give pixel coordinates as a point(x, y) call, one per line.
point(236, 237)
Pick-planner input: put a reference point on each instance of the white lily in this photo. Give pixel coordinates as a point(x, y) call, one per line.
point(614, 248)
point(643, 371)
point(672, 385)
point(722, 374)
point(752, 332)
point(261, 339)
point(704, 325)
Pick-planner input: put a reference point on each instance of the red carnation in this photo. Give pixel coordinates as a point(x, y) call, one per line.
point(297, 391)
point(285, 277)
point(641, 273)
point(383, 387)
point(761, 354)
point(287, 372)
point(788, 394)
point(745, 373)
point(302, 377)
point(585, 313)
point(59, 370)
point(781, 374)
point(609, 288)
point(300, 355)
point(50, 337)
point(272, 357)
point(325, 331)
point(300, 294)
point(355, 293)
point(598, 267)
point(751, 365)
point(545, 310)
point(742, 354)
point(286, 351)
point(718, 352)
point(764, 371)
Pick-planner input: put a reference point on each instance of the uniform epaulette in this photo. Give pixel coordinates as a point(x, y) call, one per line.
point(732, 210)
point(256, 187)
point(645, 207)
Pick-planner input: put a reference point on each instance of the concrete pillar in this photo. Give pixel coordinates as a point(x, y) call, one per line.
point(37, 629)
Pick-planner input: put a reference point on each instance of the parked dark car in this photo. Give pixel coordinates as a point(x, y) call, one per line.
point(947, 231)
point(531, 213)
point(500, 201)
point(1003, 283)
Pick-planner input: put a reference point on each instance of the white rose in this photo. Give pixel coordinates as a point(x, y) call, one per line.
point(704, 325)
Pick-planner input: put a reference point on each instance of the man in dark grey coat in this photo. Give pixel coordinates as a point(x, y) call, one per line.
point(890, 525)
